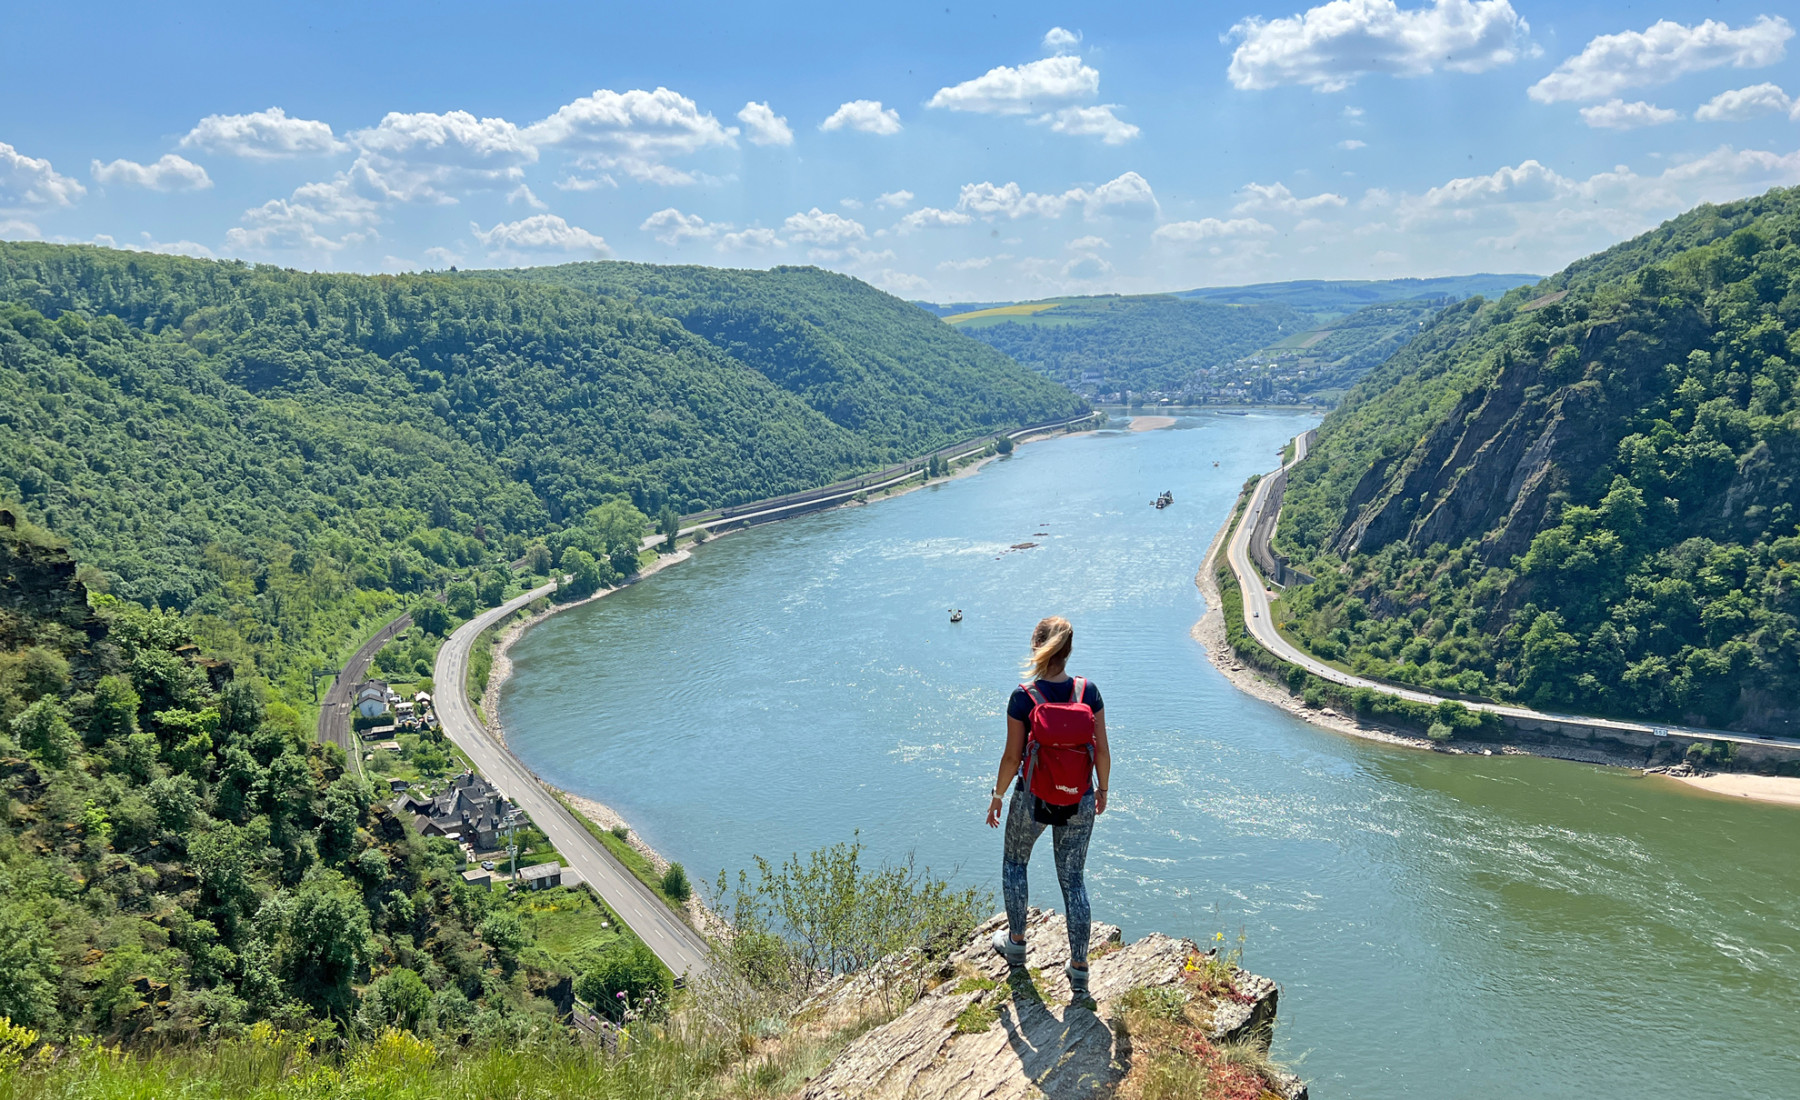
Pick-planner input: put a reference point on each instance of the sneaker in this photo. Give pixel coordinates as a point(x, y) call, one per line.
point(1013, 953)
point(1078, 984)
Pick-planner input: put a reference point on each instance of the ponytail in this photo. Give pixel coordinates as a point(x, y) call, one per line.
point(1051, 642)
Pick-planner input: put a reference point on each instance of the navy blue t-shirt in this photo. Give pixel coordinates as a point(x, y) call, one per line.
point(1053, 691)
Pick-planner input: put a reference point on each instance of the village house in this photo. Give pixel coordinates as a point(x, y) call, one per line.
point(469, 809)
point(374, 698)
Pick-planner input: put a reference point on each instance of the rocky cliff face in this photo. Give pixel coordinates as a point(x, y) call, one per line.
point(1508, 451)
point(985, 1031)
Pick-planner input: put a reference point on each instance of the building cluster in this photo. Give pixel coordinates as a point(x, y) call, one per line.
point(468, 810)
point(375, 698)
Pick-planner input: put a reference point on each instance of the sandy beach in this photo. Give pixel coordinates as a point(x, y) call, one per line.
point(1151, 423)
point(1781, 789)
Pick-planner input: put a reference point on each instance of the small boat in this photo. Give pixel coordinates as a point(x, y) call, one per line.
point(1163, 501)
point(1215, 462)
point(956, 614)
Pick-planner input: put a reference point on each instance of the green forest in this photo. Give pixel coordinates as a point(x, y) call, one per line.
point(183, 858)
point(1149, 342)
point(1581, 495)
point(289, 458)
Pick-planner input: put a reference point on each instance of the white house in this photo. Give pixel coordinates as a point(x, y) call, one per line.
point(374, 698)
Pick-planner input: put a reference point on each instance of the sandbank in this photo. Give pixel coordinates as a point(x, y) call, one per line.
point(1151, 423)
point(1781, 789)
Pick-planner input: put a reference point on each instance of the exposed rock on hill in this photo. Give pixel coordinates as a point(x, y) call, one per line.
point(1582, 496)
point(990, 1032)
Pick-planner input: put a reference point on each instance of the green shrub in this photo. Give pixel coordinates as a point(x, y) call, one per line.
point(675, 883)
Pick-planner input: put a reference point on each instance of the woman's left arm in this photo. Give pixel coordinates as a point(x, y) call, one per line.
point(1102, 763)
point(1009, 768)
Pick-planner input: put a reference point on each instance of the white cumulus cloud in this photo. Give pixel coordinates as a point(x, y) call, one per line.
point(1276, 197)
point(1207, 229)
point(1351, 144)
point(1616, 114)
point(750, 240)
point(524, 194)
point(930, 217)
point(1742, 103)
point(634, 132)
point(867, 115)
point(1330, 46)
point(894, 200)
point(539, 233)
point(317, 217)
point(1058, 40)
point(420, 156)
point(1098, 121)
point(671, 226)
point(1129, 193)
point(1611, 63)
point(169, 173)
point(263, 135)
point(763, 126)
point(31, 181)
point(1029, 88)
point(816, 226)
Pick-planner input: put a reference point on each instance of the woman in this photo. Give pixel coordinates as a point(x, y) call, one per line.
point(1051, 642)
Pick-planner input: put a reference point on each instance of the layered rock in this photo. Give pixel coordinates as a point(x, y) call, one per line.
point(986, 1031)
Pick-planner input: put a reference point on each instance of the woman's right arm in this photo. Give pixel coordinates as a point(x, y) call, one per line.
point(1009, 768)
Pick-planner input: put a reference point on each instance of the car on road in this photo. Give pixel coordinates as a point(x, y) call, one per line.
point(487, 865)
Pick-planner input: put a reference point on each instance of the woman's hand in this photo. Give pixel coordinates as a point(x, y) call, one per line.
point(994, 813)
point(1099, 801)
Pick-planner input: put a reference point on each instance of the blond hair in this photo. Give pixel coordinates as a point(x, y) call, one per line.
point(1051, 641)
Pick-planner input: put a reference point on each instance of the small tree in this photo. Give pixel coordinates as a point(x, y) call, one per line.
point(1004, 445)
point(492, 589)
point(675, 883)
point(668, 524)
point(429, 615)
point(627, 978)
point(538, 561)
point(460, 596)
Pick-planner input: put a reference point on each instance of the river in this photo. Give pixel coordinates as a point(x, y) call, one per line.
point(1441, 926)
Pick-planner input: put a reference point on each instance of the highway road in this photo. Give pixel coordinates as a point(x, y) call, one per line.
point(1257, 604)
point(339, 706)
point(680, 948)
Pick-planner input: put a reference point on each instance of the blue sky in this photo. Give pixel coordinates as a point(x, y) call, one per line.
point(940, 151)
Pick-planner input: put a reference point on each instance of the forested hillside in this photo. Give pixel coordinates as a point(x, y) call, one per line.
point(868, 361)
point(284, 455)
point(1583, 495)
point(180, 857)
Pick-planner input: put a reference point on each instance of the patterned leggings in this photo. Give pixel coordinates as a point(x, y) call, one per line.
point(1070, 843)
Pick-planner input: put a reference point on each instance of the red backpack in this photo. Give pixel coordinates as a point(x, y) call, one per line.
point(1059, 748)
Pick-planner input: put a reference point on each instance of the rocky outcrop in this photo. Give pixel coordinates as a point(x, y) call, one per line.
point(985, 1031)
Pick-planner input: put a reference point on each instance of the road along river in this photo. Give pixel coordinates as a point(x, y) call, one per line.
point(1443, 926)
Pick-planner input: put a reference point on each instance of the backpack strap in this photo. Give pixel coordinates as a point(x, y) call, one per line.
point(1079, 690)
point(1037, 697)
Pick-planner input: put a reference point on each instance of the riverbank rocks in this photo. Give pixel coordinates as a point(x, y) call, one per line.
point(985, 1032)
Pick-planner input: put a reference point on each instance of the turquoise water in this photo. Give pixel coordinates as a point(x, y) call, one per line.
point(1441, 926)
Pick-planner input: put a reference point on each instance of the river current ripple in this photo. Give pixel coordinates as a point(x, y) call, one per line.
point(1441, 926)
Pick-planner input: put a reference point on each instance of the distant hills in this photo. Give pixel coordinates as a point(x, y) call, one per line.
point(1323, 297)
point(1287, 342)
point(1583, 494)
